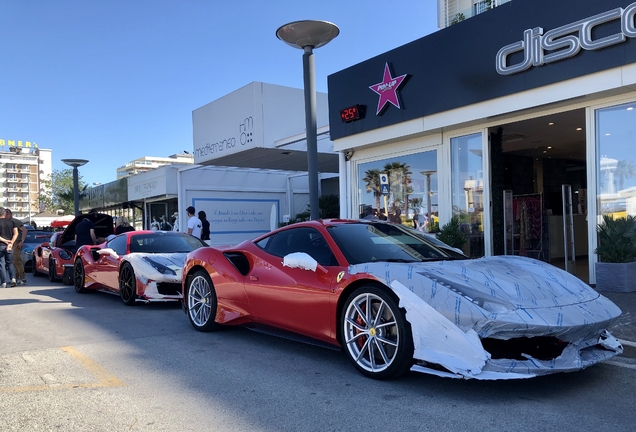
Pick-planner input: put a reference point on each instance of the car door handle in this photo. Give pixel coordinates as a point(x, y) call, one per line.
point(254, 278)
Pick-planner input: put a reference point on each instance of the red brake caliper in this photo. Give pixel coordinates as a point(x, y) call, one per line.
point(362, 339)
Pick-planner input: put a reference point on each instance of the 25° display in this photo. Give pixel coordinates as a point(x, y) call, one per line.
point(351, 113)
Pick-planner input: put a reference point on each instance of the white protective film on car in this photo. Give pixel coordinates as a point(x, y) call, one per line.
point(454, 305)
point(153, 268)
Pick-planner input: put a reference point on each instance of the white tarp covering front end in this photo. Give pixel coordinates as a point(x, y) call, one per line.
point(499, 317)
point(155, 269)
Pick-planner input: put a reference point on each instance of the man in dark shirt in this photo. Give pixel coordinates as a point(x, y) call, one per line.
point(17, 248)
point(8, 234)
point(85, 233)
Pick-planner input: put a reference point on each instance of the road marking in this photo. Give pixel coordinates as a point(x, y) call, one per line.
point(105, 378)
point(619, 364)
point(628, 343)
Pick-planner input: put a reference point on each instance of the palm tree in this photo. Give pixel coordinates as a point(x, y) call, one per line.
point(372, 180)
point(400, 180)
point(624, 170)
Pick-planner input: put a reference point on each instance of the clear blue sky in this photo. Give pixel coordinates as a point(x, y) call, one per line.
point(114, 80)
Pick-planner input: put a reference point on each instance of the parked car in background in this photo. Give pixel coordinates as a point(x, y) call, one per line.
point(395, 300)
point(136, 265)
point(33, 238)
point(55, 258)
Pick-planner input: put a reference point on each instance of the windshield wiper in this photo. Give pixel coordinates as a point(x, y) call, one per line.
point(444, 259)
point(399, 260)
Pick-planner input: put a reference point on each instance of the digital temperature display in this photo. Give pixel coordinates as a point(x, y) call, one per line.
point(351, 113)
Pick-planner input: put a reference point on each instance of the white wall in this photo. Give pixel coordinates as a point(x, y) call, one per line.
point(240, 203)
point(254, 116)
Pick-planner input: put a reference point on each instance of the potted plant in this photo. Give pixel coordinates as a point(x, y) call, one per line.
point(616, 251)
point(452, 234)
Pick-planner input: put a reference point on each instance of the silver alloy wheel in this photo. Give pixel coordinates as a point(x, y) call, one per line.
point(371, 332)
point(200, 301)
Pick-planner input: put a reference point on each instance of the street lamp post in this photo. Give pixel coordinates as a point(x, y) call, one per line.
point(75, 163)
point(428, 175)
point(307, 35)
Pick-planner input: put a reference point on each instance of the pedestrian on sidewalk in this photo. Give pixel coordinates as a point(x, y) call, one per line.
point(8, 234)
point(20, 275)
point(194, 223)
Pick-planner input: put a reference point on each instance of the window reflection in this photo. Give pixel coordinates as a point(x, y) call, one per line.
point(400, 189)
point(468, 190)
point(616, 166)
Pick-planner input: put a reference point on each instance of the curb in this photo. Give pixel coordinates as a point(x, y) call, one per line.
point(628, 343)
point(629, 348)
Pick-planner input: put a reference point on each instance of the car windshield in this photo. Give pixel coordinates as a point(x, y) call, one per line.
point(164, 242)
point(379, 241)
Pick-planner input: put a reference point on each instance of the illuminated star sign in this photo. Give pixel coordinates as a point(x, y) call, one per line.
point(387, 89)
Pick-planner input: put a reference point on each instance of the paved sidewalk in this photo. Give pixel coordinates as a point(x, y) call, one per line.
point(625, 327)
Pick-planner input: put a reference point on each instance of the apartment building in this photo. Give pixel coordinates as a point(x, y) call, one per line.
point(148, 163)
point(450, 12)
point(22, 171)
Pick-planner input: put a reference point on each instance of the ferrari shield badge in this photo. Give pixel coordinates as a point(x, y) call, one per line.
point(340, 276)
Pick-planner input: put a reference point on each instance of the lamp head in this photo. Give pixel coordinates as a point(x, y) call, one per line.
point(300, 34)
point(75, 162)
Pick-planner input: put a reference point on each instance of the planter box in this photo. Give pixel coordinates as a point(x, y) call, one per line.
point(619, 277)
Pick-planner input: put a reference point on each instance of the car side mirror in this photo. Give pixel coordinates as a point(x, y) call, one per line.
point(45, 244)
point(107, 251)
point(300, 260)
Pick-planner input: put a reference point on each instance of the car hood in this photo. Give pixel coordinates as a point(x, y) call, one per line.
point(521, 282)
point(104, 226)
point(157, 266)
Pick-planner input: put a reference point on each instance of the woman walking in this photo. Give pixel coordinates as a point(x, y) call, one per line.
point(205, 226)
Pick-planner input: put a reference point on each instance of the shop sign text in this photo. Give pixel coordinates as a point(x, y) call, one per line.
point(565, 41)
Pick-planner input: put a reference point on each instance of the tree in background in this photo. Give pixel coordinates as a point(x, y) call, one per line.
point(624, 170)
point(372, 181)
point(58, 191)
point(400, 182)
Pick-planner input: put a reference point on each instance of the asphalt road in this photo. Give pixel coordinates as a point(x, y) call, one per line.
point(86, 362)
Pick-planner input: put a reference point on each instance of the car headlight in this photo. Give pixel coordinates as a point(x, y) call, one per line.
point(65, 255)
point(164, 270)
point(481, 299)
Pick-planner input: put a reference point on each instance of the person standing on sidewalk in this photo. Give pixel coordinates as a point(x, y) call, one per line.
point(8, 234)
point(205, 226)
point(17, 248)
point(194, 223)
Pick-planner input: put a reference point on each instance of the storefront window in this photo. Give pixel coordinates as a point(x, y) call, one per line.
point(616, 164)
point(401, 189)
point(468, 190)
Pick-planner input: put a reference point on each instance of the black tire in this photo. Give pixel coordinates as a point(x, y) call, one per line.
point(34, 270)
point(127, 284)
point(200, 301)
point(379, 345)
point(68, 276)
point(79, 276)
point(52, 275)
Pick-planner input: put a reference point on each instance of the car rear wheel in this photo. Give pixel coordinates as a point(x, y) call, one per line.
point(34, 269)
point(375, 334)
point(201, 302)
point(79, 276)
point(52, 275)
point(127, 284)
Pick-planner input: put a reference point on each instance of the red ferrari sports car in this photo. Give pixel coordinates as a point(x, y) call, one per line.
point(55, 257)
point(137, 265)
point(396, 299)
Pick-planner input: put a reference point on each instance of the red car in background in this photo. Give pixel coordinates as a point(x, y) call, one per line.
point(55, 258)
point(139, 266)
